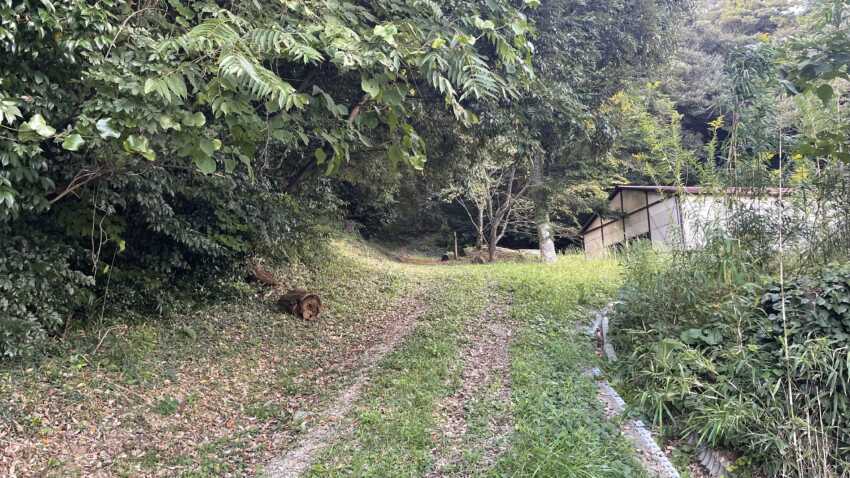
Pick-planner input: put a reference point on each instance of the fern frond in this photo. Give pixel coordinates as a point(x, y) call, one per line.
point(269, 40)
point(304, 53)
point(259, 81)
point(506, 52)
point(171, 87)
point(274, 41)
point(211, 34)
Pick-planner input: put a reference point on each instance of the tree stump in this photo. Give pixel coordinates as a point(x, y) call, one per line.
point(301, 303)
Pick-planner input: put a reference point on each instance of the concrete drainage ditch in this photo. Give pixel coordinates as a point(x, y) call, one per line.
point(716, 463)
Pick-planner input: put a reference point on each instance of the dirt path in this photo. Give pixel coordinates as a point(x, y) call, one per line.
point(329, 424)
point(485, 376)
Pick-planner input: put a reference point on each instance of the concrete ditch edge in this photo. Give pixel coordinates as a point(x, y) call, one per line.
point(717, 463)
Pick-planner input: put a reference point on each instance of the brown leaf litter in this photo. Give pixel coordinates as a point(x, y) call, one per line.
point(330, 424)
point(486, 363)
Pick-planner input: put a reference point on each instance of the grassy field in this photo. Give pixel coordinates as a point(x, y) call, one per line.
point(222, 391)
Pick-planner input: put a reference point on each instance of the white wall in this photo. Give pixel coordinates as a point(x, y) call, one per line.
point(706, 213)
point(664, 217)
point(593, 246)
point(677, 221)
point(666, 230)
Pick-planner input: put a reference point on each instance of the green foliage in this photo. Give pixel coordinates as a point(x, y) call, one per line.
point(649, 144)
point(710, 353)
point(198, 84)
point(165, 144)
point(815, 63)
point(814, 307)
point(39, 293)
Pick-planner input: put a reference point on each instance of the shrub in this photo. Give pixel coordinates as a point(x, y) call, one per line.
point(146, 246)
point(39, 292)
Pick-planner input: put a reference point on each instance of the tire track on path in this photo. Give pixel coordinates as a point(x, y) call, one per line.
point(486, 364)
point(403, 317)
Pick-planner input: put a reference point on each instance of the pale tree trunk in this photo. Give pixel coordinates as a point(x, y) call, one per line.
point(541, 213)
point(479, 241)
point(544, 233)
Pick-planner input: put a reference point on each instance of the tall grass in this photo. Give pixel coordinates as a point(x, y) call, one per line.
point(717, 349)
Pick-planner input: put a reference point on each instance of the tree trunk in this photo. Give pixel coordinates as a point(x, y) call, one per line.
point(547, 243)
point(456, 251)
point(479, 241)
point(302, 304)
point(491, 246)
point(541, 213)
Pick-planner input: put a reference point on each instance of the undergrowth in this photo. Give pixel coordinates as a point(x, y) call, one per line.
point(709, 352)
point(225, 388)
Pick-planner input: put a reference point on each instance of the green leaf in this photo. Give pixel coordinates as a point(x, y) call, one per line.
point(139, 145)
point(150, 85)
point(825, 93)
point(417, 161)
point(104, 127)
point(205, 164)
point(393, 96)
point(438, 43)
point(320, 155)
point(165, 122)
point(463, 39)
point(209, 146)
point(37, 124)
point(73, 142)
point(371, 87)
point(484, 24)
point(229, 165)
point(197, 119)
point(9, 111)
point(387, 32)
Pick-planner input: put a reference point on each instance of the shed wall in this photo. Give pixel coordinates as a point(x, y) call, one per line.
point(666, 229)
point(593, 246)
point(676, 221)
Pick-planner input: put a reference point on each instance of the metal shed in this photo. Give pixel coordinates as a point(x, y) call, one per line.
point(667, 216)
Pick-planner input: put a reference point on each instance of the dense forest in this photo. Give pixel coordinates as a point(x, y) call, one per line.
point(152, 153)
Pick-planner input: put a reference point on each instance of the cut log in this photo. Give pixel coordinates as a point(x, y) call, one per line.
point(301, 303)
